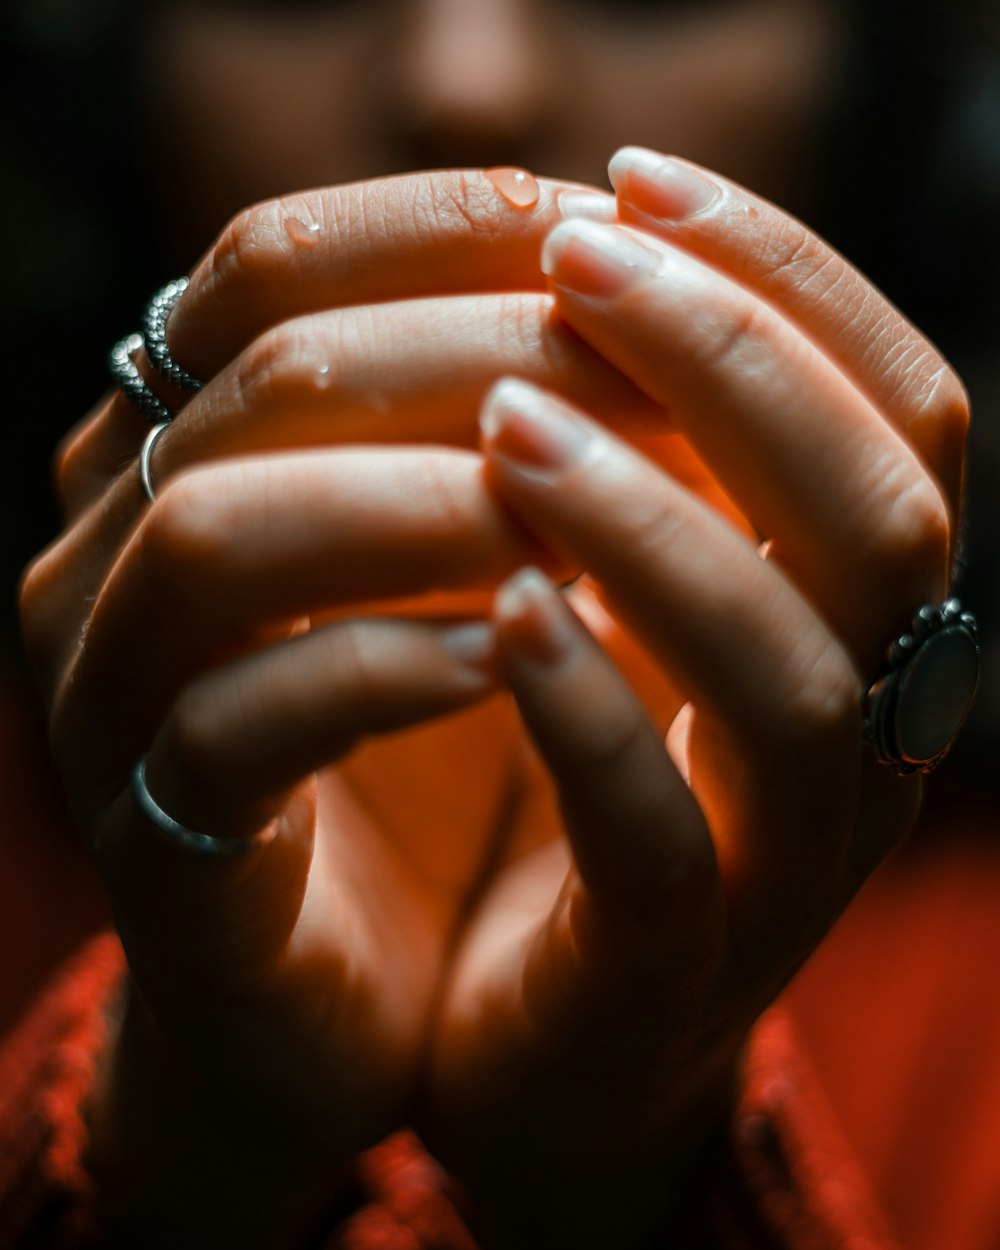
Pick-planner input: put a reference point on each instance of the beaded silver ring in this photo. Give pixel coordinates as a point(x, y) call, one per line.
point(135, 387)
point(154, 325)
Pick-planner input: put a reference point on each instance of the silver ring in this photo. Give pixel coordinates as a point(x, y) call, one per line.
point(180, 835)
point(145, 460)
point(126, 373)
point(154, 324)
point(924, 690)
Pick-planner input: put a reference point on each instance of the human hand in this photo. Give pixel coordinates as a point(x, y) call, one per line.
point(586, 1045)
point(279, 999)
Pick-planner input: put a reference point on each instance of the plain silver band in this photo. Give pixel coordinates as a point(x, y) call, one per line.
point(154, 323)
point(180, 835)
point(126, 373)
point(145, 458)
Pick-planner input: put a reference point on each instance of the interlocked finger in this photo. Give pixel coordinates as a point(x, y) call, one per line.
point(229, 764)
point(778, 258)
point(423, 234)
point(231, 553)
point(241, 736)
point(787, 723)
point(846, 503)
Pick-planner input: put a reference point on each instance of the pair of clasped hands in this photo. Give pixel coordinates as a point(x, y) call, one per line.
point(539, 856)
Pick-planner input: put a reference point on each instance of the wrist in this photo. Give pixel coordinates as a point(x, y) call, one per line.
point(172, 1167)
point(607, 1185)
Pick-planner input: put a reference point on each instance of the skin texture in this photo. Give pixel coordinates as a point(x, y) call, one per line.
point(548, 930)
point(526, 928)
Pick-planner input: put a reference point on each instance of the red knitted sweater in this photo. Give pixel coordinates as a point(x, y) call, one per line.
point(786, 1179)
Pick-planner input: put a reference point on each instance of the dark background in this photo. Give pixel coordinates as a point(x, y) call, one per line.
point(911, 193)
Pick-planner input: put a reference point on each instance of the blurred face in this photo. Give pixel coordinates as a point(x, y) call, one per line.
point(254, 98)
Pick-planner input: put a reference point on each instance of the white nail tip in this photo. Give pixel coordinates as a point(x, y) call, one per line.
point(595, 233)
point(508, 395)
point(469, 644)
point(525, 587)
point(588, 206)
point(626, 159)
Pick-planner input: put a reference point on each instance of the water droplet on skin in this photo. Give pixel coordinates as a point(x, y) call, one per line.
point(304, 233)
point(517, 186)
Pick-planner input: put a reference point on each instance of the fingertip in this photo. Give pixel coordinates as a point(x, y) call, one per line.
point(534, 621)
point(630, 157)
point(509, 396)
point(533, 433)
point(473, 648)
point(664, 187)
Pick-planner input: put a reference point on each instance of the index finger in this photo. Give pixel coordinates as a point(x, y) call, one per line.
point(422, 234)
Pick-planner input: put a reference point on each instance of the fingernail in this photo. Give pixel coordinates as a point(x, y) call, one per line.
point(534, 616)
point(532, 432)
point(660, 185)
point(588, 205)
point(596, 259)
point(472, 645)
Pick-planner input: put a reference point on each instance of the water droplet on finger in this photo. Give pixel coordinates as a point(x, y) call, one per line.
point(517, 186)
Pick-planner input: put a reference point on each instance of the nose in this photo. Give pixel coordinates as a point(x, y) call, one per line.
point(469, 82)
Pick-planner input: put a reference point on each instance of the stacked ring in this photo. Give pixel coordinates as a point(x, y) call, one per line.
point(126, 373)
point(154, 325)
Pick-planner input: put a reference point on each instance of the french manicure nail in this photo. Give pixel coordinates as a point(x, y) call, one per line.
point(589, 205)
point(595, 259)
point(532, 431)
point(660, 185)
point(537, 620)
point(473, 645)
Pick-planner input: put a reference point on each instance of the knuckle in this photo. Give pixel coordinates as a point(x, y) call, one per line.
point(926, 392)
point(186, 534)
point(910, 535)
point(521, 321)
point(455, 199)
point(446, 494)
point(831, 708)
point(945, 406)
point(244, 252)
point(71, 465)
point(287, 362)
point(34, 589)
point(823, 712)
point(41, 627)
point(82, 460)
point(738, 338)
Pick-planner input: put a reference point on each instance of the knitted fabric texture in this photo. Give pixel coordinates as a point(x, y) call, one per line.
point(47, 1069)
point(784, 1179)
